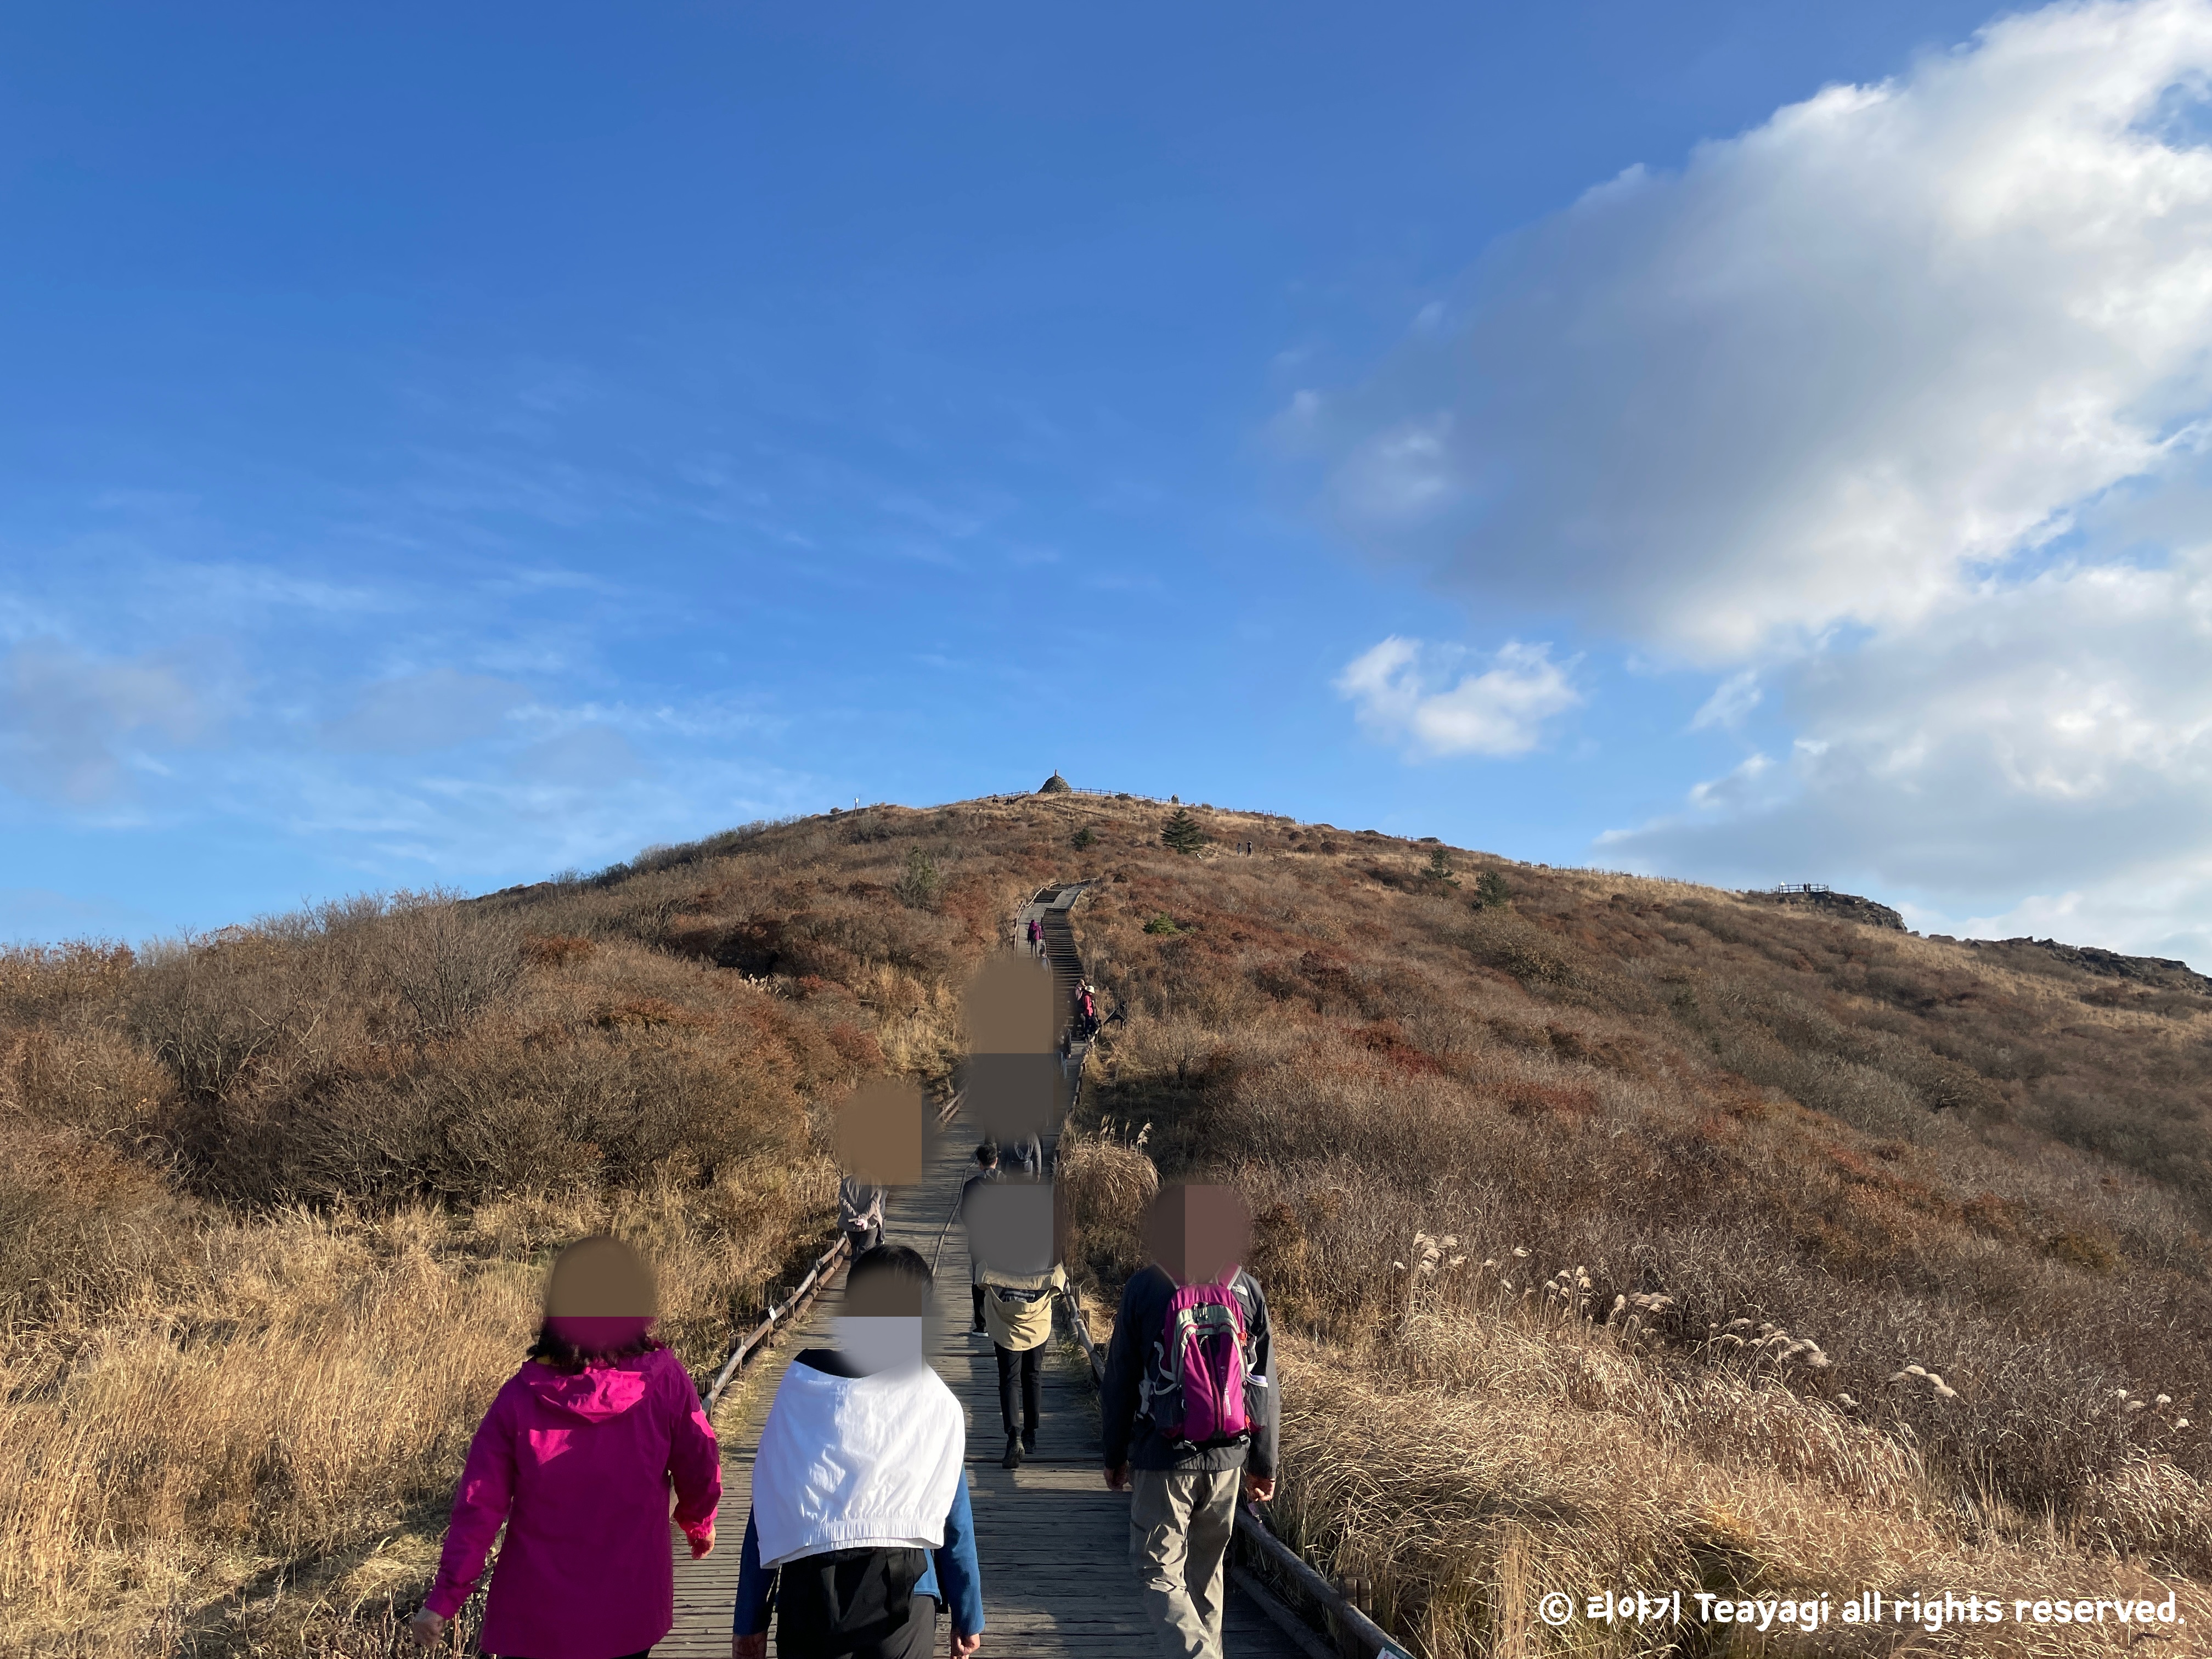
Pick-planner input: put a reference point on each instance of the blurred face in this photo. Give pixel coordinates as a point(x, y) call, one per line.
point(879, 1131)
point(601, 1277)
point(1198, 1233)
point(886, 1296)
point(882, 1325)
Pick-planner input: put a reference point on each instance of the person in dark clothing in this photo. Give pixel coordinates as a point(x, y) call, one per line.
point(986, 1169)
point(1183, 1508)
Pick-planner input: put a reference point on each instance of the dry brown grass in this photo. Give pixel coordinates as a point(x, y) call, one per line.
point(1743, 1125)
point(286, 1403)
point(275, 1204)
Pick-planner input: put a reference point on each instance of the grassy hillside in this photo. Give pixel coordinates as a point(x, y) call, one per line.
point(1629, 1228)
point(274, 1205)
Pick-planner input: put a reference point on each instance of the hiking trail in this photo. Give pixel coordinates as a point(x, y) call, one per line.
point(1053, 1542)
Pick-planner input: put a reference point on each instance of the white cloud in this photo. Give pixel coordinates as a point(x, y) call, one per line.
point(1896, 411)
point(2028, 757)
point(1832, 370)
point(1399, 689)
point(1740, 787)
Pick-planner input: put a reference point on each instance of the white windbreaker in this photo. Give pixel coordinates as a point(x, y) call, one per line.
point(856, 1463)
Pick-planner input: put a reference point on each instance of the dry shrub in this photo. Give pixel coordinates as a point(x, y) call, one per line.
point(446, 964)
point(93, 1079)
point(1105, 1184)
point(597, 1107)
point(44, 981)
point(82, 1230)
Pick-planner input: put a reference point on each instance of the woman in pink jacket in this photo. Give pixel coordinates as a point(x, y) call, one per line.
point(577, 1456)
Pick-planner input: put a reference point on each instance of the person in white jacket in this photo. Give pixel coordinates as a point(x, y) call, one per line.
point(860, 1526)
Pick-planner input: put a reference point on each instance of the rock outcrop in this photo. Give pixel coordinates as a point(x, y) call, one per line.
point(1844, 907)
point(2163, 972)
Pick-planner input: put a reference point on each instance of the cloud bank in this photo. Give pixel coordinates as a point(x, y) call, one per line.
point(1893, 412)
point(1835, 367)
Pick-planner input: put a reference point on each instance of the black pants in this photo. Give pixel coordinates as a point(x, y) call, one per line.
point(865, 1239)
point(854, 1604)
point(1027, 1366)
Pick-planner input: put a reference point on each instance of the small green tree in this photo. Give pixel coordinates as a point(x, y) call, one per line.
point(1440, 869)
point(920, 884)
point(1182, 833)
point(1162, 925)
point(1490, 892)
point(1083, 836)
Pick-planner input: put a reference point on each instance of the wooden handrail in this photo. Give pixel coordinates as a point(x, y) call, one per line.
point(777, 1315)
point(782, 1313)
point(1370, 1635)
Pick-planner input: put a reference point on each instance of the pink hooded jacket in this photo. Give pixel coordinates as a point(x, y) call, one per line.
point(580, 1467)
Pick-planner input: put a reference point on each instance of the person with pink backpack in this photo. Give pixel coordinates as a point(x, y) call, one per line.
point(1188, 1408)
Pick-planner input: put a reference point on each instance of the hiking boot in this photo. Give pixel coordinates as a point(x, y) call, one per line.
point(1029, 1438)
point(1012, 1460)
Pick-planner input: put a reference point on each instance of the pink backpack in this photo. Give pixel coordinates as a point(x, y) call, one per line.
point(1202, 1353)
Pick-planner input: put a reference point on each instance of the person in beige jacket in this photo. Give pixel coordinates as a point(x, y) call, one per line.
point(1017, 1315)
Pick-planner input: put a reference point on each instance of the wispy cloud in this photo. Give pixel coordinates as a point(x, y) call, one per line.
point(417, 713)
point(1732, 700)
point(73, 725)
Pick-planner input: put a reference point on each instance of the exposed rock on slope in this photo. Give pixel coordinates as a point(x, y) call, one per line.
point(1844, 907)
point(2163, 972)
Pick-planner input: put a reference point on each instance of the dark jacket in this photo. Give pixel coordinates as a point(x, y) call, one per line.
point(1130, 1438)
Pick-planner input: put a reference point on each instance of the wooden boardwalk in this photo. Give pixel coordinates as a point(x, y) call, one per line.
point(1053, 1542)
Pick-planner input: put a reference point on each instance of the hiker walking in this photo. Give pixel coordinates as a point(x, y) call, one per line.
point(860, 1526)
point(1188, 1410)
point(1087, 1005)
point(860, 1213)
point(986, 1169)
point(1017, 1314)
point(576, 1458)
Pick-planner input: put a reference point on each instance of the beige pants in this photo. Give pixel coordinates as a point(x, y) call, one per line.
point(1180, 1524)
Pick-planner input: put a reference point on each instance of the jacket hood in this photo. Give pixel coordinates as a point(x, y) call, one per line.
point(595, 1394)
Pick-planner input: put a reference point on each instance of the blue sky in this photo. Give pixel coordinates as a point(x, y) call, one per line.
point(446, 448)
